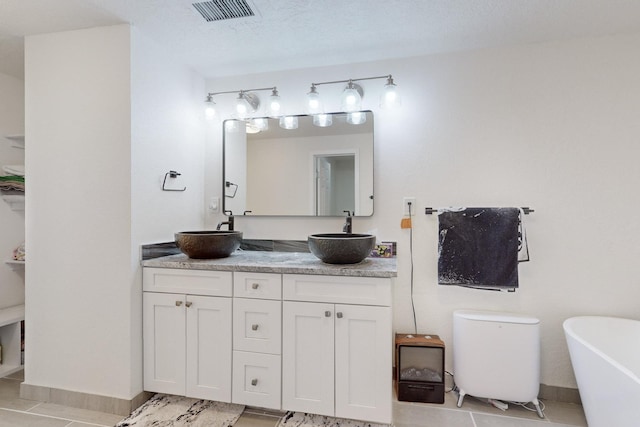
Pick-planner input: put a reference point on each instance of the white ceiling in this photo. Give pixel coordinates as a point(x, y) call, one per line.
point(286, 34)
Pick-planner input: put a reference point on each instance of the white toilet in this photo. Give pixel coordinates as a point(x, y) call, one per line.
point(497, 356)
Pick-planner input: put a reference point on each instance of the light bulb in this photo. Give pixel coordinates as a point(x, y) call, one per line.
point(351, 99)
point(251, 128)
point(390, 97)
point(261, 123)
point(273, 105)
point(289, 122)
point(241, 106)
point(209, 108)
point(322, 120)
point(356, 118)
point(314, 103)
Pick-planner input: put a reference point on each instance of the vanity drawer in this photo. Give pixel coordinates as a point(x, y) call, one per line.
point(195, 282)
point(257, 285)
point(337, 289)
point(257, 325)
point(256, 379)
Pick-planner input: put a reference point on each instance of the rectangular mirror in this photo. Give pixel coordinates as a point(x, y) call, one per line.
point(321, 167)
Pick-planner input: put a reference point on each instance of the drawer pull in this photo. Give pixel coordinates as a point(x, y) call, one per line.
point(339, 315)
point(327, 313)
point(254, 327)
point(254, 382)
point(255, 286)
point(188, 304)
point(178, 303)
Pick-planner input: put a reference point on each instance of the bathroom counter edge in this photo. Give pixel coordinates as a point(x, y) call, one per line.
point(279, 262)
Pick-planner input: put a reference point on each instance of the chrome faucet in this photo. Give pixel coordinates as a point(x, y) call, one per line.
point(228, 222)
point(348, 225)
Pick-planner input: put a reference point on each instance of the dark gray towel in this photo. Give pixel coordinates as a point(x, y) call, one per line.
point(478, 247)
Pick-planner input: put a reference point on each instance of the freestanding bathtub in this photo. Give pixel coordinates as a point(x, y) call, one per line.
point(605, 354)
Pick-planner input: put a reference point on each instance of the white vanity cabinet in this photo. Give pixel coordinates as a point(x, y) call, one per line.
point(285, 333)
point(257, 339)
point(337, 346)
point(187, 332)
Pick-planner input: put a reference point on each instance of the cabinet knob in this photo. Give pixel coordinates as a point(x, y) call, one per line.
point(254, 327)
point(188, 303)
point(178, 303)
point(327, 313)
point(255, 286)
point(254, 382)
point(339, 315)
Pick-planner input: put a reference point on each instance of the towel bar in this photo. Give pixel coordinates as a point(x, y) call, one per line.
point(430, 211)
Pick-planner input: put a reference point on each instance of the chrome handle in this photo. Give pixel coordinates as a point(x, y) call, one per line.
point(327, 313)
point(254, 286)
point(188, 304)
point(254, 327)
point(254, 382)
point(178, 303)
point(339, 315)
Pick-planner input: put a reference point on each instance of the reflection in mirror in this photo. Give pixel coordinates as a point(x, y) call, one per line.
point(322, 167)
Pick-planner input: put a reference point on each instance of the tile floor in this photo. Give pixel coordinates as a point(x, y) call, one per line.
point(17, 412)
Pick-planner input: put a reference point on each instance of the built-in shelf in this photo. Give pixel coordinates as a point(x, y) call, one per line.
point(13, 169)
point(11, 339)
point(17, 140)
point(15, 201)
point(15, 264)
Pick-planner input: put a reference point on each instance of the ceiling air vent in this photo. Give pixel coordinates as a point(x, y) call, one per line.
point(219, 10)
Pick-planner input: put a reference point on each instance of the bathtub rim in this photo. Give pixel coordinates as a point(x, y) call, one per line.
point(569, 332)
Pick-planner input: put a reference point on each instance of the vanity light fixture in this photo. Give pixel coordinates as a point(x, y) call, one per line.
point(351, 99)
point(390, 97)
point(289, 122)
point(356, 117)
point(274, 106)
point(322, 120)
point(247, 102)
point(260, 124)
point(314, 103)
point(209, 108)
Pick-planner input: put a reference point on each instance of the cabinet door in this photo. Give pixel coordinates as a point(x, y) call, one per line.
point(208, 348)
point(307, 357)
point(164, 342)
point(363, 363)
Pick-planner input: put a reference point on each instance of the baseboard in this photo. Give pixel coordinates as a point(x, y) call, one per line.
point(74, 399)
point(559, 394)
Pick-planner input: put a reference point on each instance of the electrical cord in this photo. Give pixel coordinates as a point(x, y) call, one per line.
point(524, 405)
point(413, 308)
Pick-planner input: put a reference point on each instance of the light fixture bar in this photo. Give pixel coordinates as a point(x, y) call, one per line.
point(241, 90)
point(388, 76)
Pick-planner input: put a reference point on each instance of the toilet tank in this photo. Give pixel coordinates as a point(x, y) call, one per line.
point(496, 355)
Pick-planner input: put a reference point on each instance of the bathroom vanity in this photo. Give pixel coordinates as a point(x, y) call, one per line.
point(278, 330)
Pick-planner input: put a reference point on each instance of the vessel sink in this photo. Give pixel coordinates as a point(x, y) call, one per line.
point(341, 248)
point(208, 244)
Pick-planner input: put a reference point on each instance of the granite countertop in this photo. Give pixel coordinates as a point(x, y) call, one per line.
point(279, 262)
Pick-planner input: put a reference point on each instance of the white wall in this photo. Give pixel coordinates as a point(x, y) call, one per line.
point(12, 223)
point(78, 161)
point(167, 133)
point(551, 126)
point(106, 116)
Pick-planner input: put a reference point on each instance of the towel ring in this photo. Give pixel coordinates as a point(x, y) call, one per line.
point(171, 174)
